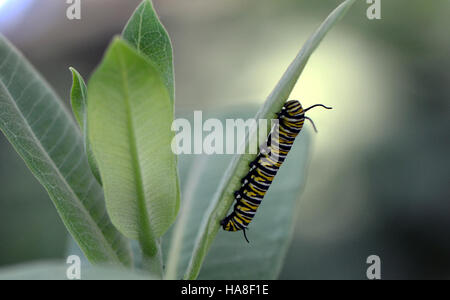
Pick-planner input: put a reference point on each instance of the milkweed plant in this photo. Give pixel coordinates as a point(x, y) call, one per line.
point(130, 204)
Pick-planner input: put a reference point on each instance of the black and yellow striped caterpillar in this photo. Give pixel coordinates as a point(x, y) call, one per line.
point(264, 168)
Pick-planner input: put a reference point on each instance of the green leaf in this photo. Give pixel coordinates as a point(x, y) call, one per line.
point(146, 33)
point(42, 131)
point(55, 270)
point(230, 256)
point(78, 99)
point(149, 37)
point(130, 116)
point(239, 165)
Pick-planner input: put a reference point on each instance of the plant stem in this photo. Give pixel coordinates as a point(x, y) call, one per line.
point(152, 258)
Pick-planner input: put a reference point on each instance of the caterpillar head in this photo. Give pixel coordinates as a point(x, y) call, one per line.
point(225, 223)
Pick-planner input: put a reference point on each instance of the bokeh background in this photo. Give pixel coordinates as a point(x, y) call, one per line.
point(379, 176)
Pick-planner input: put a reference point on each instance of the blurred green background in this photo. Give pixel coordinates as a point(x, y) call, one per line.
point(379, 174)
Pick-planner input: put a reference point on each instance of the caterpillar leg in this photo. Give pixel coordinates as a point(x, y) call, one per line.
point(264, 148)
point(255, 161)
point(280, 115)
point(247, 177)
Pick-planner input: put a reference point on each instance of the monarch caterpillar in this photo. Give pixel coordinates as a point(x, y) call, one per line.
point(264, 168)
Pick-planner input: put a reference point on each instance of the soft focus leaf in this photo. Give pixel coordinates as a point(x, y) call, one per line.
point(58, 271)
point(130, 116)
point(41, 130)
point(230, 256)
point(238, 167)
point(146, 33)
point(78, 99)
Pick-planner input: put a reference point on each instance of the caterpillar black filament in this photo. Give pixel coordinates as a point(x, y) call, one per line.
point(264, 168)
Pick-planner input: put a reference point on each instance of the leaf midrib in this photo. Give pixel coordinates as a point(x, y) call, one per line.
point(141, 17)
point(146, 232)
point(58, 172)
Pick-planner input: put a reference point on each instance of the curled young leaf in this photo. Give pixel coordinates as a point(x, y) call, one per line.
point(78, 100)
